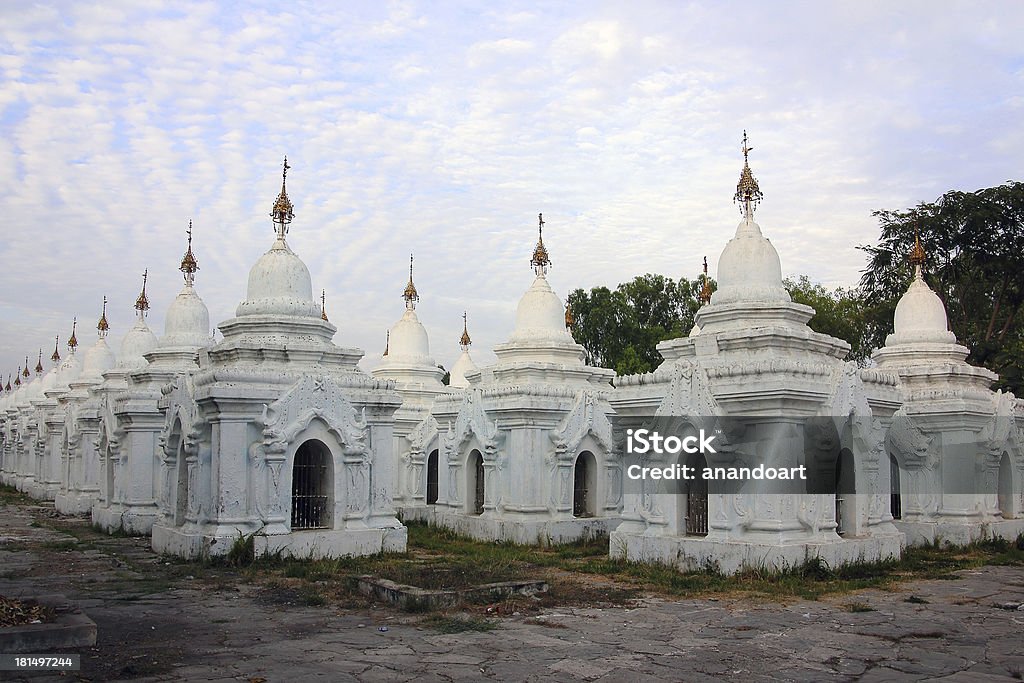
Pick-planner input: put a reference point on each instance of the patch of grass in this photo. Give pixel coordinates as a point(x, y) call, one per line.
point(311, 597)
point(458, 623)
point(62, 545)
point(859, 607)
point(11, 496)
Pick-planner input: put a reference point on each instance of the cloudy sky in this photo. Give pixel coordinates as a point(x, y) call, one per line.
point(444, 128)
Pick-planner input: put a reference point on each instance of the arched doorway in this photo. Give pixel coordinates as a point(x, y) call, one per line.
point(432, 478)
point(584, 485)
point(475, 483)
point(1005, 487)
point(312, 487)
point(697, 497)
point(844, 490)
point(181, 492)
point(895, 502)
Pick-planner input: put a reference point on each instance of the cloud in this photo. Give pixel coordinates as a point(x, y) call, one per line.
point(444, 131)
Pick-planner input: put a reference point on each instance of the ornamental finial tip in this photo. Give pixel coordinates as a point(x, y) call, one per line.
point(189, 265)
point(410, 294)
point(142, 302)
point(283, 211)
point(540, 261)
point(918, 255)
point(748, 192)
point(102, 327)
point(464, 340)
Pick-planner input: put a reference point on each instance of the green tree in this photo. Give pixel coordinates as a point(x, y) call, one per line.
point(975, 247)
point(840, 313)
point(621, 328)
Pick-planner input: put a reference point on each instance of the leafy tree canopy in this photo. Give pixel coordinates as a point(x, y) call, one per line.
point(621, 328)
point(975, 247)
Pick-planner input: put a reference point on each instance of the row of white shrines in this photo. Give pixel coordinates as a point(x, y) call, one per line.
point(275, 432)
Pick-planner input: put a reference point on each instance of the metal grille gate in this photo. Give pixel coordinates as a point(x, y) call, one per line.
point(310, 498)
point(478, 499)
point(432, 478)
point(697, 502)
point(580, 492)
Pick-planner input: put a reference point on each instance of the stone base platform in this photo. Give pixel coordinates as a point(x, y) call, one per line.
point(958, 533)
point(524, 531)
point(75, 503)
point(731, 557)
point(135, 520)
point(194, 543)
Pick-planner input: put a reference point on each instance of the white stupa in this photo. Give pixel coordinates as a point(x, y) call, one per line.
point(464, 364)
point(279, 434)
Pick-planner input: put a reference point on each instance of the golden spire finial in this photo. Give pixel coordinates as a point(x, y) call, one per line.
point(387, 343)
point(410, 294)
point(56, 354)
point(705, 288)
point(142, 303)
point(73, 340)
point(283, 212)
point(540, 261)
point(917, 255)
point(323, 305)
point(17, 377)
point(189, 265)
point(39, 363)
point(748, 192)
point(464, 340)
point(27, 373)
point(102, 327)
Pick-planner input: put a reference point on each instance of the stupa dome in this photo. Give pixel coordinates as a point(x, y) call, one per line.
point(540, 314)
point(749, 268)
point(187, 322)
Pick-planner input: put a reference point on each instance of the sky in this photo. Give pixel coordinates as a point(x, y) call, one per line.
point(444, 128)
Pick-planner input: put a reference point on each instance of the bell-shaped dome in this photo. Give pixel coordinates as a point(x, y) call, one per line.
point(408, 340)
point(749, 268)
point(69, 370)
point(920, 316)
point(540, 314)
point(98, 359)
point(279, 284)
point(462, 366)
point(187, 322)
point(137, 342)
point(27, 393)
point(49, 380)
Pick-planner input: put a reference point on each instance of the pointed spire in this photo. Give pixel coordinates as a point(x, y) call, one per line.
point(26, 373)
point(540, 260)
point(323, 305)
point(464, 340)
point(282, 213)
point(8, 387)
point(410, 294)
point(189, 265)
point(56, 354)
point(705, 288)
point(17, 377)
point(73, 340)
point(917, 255)
point(102, 327)
point(748, 192)
point(39, 363)
point(387, 343)
point(142, 303)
